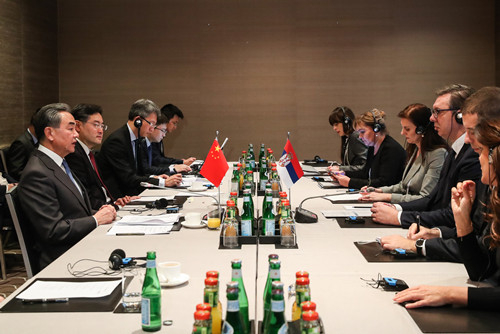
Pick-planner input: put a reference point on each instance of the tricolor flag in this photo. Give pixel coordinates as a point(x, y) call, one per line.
point(215, 166)
point(289, 167)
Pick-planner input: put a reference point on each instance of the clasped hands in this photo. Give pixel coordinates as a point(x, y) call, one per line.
point(338, 175)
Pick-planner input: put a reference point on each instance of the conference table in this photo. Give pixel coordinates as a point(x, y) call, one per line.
point(345, 302)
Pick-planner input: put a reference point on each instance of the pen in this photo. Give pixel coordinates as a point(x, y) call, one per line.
point(418, 223)
point(125, 234)
point(45, 300)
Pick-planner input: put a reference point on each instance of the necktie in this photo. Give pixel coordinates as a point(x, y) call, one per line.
point(68, 171)
point(92, 160)
point(150, 155)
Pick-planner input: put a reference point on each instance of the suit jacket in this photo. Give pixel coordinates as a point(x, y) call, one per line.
point(354, 153)
point(435, 209)
point(118, 167)
point(159, 158)
point(383, 169)
point(154, 169)
point(82, 167)
point(419, 177)
point(58, 215)
point(19, 153)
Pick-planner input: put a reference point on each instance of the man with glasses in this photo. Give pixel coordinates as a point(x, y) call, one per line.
point(90, 128)
point(461, 164)
point(121, 160)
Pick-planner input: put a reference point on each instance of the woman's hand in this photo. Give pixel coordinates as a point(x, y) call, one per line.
point(462, 198)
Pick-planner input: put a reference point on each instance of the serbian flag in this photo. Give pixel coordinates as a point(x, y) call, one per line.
point(215, 166)
point(289, 167)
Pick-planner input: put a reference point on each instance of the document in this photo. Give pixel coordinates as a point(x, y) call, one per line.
point(144, 225)
point(345, 197)
point(337, 213)
point(361, 210)
point(147, 199)
point(51, 290)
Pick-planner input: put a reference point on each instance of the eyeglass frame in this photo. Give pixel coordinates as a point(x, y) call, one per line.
point(436, 112)
point(97, 125)
point(164, 131)
point(153, 124)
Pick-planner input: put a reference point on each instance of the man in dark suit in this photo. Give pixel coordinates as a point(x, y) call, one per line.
point(54, 202)
point(90, 127)
point(120, 160)
point(20, 150)
point(434, 238)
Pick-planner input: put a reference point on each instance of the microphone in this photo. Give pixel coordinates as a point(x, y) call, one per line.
point(303, 216)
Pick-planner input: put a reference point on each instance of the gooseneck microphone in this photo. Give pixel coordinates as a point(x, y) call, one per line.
point(303, 216)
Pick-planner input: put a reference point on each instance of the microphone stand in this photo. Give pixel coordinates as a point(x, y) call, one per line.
point(306, 216)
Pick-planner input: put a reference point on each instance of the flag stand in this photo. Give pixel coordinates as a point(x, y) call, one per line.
point(289, 189)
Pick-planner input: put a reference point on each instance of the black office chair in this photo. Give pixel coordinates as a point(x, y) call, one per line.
point(23, 235)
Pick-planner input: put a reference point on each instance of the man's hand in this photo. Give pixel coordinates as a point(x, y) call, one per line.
point(392, 242)
point(173, 180)
point(432, 296)
point(125, 200)
point(182, 168)
point(462, 198)
point(385, 213)
point(374, 196)
point(105, 215)
point(188, 161)
point(424, 233)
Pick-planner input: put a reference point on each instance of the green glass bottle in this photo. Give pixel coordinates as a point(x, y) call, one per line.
point(243, 159)
point(287, 226)
point(310, 323)
point(248, 214)
point(233, 196)
point(201, 323)
point(276, 323)
point(211, 296)
point(262, 152)
point(151, 297)
point(230, 227)
point(251, 155)
point(273, 276)
point(263, 175)
point(236, 276)
point(249, 180)
point(234, 321)
point(275, 182)
point(235, 179)
point(268, 219)
point(241, 171)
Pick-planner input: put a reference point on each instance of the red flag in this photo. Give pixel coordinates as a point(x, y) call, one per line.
point(215, 166)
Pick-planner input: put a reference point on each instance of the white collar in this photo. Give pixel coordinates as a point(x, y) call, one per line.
point(458, 144)
point(53, 155)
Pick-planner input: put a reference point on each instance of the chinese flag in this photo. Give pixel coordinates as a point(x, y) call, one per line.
point(215, 166)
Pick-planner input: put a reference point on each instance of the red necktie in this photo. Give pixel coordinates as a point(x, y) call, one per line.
point(92, 160)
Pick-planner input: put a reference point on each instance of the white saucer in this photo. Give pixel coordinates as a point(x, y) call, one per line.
point(201, 224)
point(183, 278)
point(197, 189)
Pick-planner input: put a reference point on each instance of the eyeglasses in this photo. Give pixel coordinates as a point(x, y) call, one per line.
point(99, 125)
point(153, 124)
point(436, 112)
point(162, 130)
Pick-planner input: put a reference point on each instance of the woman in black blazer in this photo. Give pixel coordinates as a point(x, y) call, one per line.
point(352, 149)
point(385, 160)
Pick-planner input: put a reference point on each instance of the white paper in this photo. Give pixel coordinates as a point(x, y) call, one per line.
point(139, 229)
point(337, 213)
point(361, 210)
point(345, 197)
point(60, 289)
point(308, 169)
point(166, 219)
point(147, 199)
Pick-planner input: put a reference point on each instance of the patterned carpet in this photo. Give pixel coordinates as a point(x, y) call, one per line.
point(16, 275)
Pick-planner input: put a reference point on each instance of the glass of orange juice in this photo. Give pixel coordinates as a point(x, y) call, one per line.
point(213, 218)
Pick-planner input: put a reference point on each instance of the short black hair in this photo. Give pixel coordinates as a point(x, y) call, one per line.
point(48, 116)
point(170, 111)
point(81, 112)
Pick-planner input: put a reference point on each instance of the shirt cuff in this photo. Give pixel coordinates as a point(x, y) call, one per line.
point(440, 233)
point(424, 253)
point(161, 182)
point(399, 217)
point(95, 219)
point(172, 168)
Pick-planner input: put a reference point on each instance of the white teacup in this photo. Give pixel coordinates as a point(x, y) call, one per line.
point(197, 186)
point(192, 218)
point(169, 271)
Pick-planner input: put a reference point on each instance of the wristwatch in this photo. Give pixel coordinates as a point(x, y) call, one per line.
point(419, 244)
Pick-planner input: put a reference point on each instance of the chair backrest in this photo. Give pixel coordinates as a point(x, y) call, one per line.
point(3, 151)
point(23, 236)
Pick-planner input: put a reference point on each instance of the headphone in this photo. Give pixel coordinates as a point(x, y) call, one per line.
point(490, 156)
point(346, 119)
point(458, 116)
point(138, 123)
point(161, 203)
point(378, 125)
point(118, 260)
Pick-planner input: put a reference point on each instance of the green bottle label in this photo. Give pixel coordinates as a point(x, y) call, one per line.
point(270, 226)
point(246, 227)
point(277, 306)
point(145, 311)
point(233, 305)
point(151, 264)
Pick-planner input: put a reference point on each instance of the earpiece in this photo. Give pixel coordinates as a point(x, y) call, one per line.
point(161, 203)
point(138, 123)
point(378, 124)
point(490, 156)
point(118, 260)
point(458, 117)
point(346, 119)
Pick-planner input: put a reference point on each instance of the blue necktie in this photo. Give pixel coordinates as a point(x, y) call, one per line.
point(150, 155)
point(68, 171)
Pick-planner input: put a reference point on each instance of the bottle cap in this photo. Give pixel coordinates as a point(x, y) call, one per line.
point(230, 203)
point(310, 316)
point(204, 307)
point(301, 273)
point(249, 171)
point(272, 257)
point(283, 194)
point(232, 285)
point(286, 202)
point(302, 281)
point(233, 193)
point(243, 151)
point(201, 315)
point(239, 164)
point(211, 281)
point(236, 261)
point(277, 285)
point(308, 306)
point(213, 274)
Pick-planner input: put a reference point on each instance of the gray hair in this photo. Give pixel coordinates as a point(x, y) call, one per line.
point(143, 108)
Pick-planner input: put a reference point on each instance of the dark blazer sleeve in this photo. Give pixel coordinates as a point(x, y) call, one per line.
point(443, 250)
point(484, 298)
point(18, 155)
point(476, 258)
point(356, 154)
point(159, 159)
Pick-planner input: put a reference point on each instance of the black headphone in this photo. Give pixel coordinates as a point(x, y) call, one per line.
point(490, 156)
point(458, 116)
point(118, 260)
point(161, 203)
point(346, 119)
point(378, 125)
point(138, 123)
